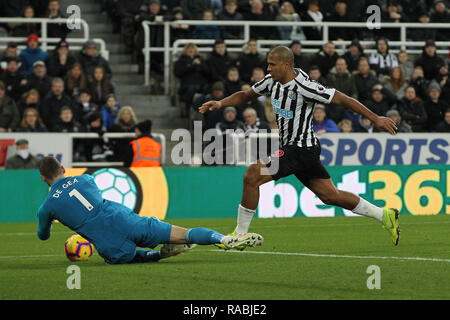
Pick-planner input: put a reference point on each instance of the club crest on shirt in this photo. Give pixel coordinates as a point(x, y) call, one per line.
point(292, 95)
point(320, 88)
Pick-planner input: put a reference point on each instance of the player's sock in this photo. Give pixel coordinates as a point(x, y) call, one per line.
point(146, 256)
point(203, 236)
point(244, 218)
point(365, 208)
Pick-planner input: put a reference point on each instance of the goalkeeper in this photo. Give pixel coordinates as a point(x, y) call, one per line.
point(114, 229)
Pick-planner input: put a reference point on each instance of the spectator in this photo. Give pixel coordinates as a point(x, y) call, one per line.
point(313, 14)
point(98, 149)
point(444, 126)
point(419, 82)
point(288, 14)
point(392, 14)
point(144, 150)
point(353, 54)
point(326, 58)
point(193, 9)
point(230, 13)
point(152, 13)
point(100, 86)
point(412, 110)
point(441, 15)
point(233, 83)
point(300, 60)
point(219, 61)
point(345, 125)
point(31, 54)
point(30, 99)
point(56, 30)
point(315, 74)
point(396, 82)
point(14, 80)
point(253, 104)
point(413, 9)
point(321, 124)
point(126, 120)
point(252, 123)
point(179, 31)
point(10, 52)
point(23, 159)
point(207, 31)
point(9, 114)
point(260, 12)
point(420, 34)
point(110, 111)
point(434, 106)
point(31, 122)
point(211, 118)
point(365, 125)
point(382, 61)
point(402, 126)
point(53, 102)
point(405, 64)
point(85, 105)
point(365, 79)
point(75, 81)
point(430, 61)
point(66, 121)
point(25, 29)
point(249, 60)
point(381, 100)
point(341, 79)
point(443, 77)
point(257, 75)
point(340, 15)
point(89, 59)
point(230, 121)
point(192, 72)
point(61, 60)
point(12, 8)
point(128, 10)
point(39, 79)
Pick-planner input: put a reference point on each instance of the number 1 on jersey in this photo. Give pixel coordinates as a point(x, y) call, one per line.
point(83, 200)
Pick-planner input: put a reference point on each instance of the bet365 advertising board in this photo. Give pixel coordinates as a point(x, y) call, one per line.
point(215, 192)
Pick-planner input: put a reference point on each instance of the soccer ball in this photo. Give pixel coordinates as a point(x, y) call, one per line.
point(117, 186)
point(78, 248)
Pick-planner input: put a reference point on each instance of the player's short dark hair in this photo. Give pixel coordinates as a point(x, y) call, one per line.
point(284, 54)
point(49, 167)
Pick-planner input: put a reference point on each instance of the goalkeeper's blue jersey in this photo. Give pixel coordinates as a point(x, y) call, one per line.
point(77, 203)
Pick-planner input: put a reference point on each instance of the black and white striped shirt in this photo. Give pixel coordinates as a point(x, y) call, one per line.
point(293, 104)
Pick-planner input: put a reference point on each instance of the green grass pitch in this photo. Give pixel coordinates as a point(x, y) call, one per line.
point(302, 258)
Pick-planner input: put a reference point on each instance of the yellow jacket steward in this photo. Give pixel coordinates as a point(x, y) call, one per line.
point(146, 152)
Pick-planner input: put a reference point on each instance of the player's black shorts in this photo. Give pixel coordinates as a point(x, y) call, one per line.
point(303, 162)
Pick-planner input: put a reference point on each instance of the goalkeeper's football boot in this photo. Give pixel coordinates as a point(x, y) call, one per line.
point(246, 240)
point(170, 250)
point(390, 223)
point(222, 246)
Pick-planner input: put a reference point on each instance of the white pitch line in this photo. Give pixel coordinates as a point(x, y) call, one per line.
point(31, 256)
point(338, 256)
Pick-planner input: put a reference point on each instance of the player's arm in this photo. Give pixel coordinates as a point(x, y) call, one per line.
point(382, 123)
point(44, 224)
point(236, 99)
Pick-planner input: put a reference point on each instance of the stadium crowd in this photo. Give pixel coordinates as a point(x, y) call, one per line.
point(65, 91)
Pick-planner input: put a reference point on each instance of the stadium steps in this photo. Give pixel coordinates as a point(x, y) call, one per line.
point(129, 84)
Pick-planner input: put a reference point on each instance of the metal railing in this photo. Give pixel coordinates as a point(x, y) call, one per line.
point(170, 51)
point(113, 135)
point(48, 43)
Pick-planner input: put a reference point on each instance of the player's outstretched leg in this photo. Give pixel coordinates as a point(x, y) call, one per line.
point(205, 236)
point(329, 194)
